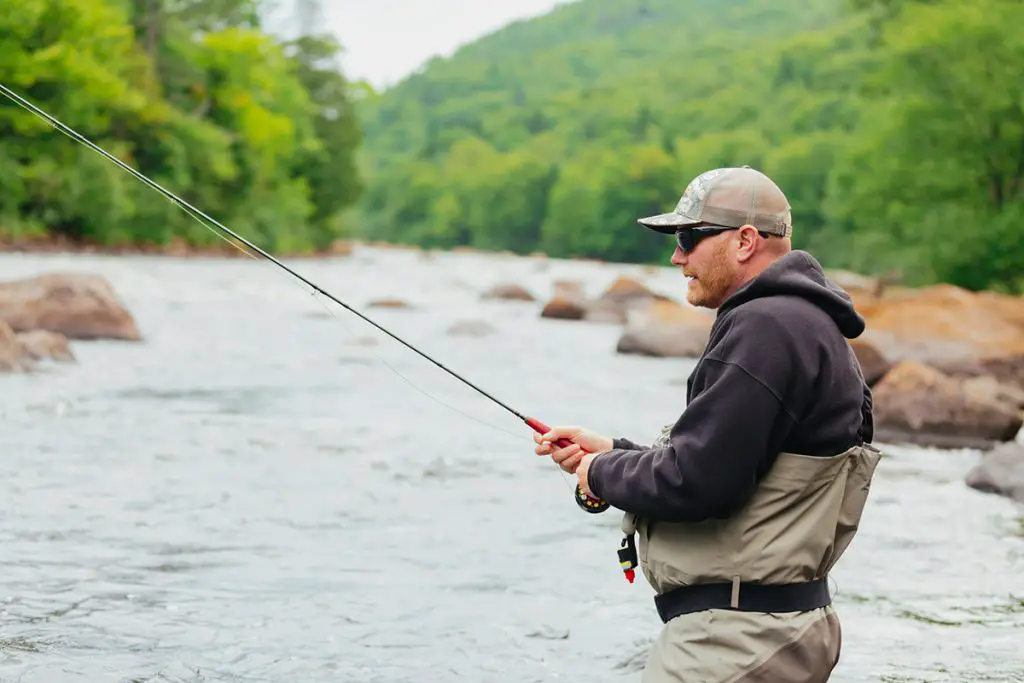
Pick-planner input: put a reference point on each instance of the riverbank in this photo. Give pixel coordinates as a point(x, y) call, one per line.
point(227, 248)
point(177, 248)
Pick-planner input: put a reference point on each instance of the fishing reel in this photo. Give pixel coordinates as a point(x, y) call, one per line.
point(591, 505)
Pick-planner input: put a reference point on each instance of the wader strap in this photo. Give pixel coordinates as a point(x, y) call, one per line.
point(743, 597)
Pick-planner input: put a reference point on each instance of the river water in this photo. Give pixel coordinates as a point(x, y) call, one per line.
point(254, 494)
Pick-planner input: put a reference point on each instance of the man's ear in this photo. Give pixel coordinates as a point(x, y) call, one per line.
point(747, 240)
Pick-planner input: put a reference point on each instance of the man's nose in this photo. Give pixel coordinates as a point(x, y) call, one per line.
point(678, 257)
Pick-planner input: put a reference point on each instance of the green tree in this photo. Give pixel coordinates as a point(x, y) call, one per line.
point(939, 166)
point(194, 95)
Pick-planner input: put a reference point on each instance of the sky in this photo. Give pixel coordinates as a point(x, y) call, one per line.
point(385, 40)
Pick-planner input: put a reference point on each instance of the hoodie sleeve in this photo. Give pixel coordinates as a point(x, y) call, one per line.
point(719, 447)
point(627, 445)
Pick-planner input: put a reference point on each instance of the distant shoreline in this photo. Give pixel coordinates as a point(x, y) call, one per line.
point(176, 249)
point(179, 249)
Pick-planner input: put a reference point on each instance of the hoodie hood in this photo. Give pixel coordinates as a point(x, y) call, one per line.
point(797, 273)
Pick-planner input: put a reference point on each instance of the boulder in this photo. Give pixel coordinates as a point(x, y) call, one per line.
point(13, 355)
point(873, 364)
point(918, 404)
point(614, 304)
point(563, 308)
point(990, 387)
point(78, 306)
point(43, 345)
point(508, 292)
point(1007, 369)
point(568, 301)
point(943, 324)
point(666, 329)
point(1001, 471)
point(863, 289)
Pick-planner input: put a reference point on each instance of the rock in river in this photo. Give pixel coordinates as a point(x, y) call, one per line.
point(78, 306)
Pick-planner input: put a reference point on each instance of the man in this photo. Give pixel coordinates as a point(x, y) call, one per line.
point(745, 503)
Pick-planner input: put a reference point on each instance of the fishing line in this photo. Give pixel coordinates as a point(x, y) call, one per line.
point(352, 334)
point(586, 503)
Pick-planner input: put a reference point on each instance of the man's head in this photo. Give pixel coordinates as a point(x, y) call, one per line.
point(730, 224)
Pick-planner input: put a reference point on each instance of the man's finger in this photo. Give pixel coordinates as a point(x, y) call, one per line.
point(563, 453)
point(572, 463)
point(557, 433)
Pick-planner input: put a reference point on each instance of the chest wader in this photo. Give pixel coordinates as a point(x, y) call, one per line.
point(745, 599)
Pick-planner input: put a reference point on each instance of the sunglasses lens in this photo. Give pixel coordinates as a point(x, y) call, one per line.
point(684, 238)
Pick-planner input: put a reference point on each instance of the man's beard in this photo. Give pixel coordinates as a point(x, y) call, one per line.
point(712, 283)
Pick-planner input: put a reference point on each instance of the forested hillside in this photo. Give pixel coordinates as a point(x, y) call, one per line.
point(256, 131)
point(896, 128)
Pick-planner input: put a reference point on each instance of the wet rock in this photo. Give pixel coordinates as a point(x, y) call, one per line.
point(863, 289)
point(389, 303)
point(78, 306)
point(666, 329)
point(990, 387)
point(943, 324)
point(508, 292)
point(471, 328)
point(43, 345)
point(13, 355)
point(873, 364)
point(568, 289)
point(1001, 471)
point(1008, 369)
point(614, 304)
point(918, 404)
point(564, 309)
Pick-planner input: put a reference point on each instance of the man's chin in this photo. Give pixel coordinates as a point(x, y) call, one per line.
point(698, 298)
point(694, 296)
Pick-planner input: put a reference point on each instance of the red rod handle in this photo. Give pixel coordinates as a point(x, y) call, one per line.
point(587, 503)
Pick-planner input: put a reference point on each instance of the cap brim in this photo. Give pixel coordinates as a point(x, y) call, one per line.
point(666, 223)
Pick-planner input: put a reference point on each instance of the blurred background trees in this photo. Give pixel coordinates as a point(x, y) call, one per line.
point(895, 126)
point(254, 130)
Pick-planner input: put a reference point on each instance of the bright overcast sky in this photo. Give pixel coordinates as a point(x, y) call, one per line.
point(385, 40)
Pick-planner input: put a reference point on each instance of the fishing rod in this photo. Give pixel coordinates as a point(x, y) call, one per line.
point(585, 502)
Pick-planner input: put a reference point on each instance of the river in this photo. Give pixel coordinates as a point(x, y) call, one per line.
point(254, 494)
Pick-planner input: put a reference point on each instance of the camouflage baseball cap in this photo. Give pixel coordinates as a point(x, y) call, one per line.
point(730, 197)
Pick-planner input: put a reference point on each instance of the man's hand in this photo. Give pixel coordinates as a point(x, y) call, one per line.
point(569, 458)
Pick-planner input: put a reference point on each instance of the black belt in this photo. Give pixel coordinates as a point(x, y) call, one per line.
point(743, 597)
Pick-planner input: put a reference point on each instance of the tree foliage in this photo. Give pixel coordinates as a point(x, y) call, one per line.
point(255, 130)
point(895, 127)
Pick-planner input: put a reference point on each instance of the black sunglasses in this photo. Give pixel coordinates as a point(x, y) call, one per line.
point(689, 238)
